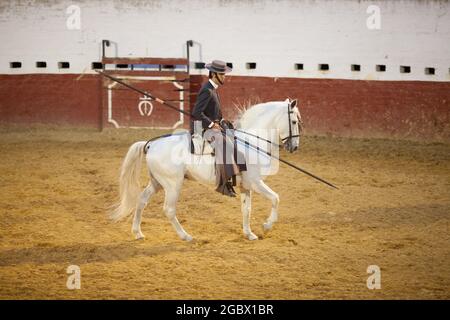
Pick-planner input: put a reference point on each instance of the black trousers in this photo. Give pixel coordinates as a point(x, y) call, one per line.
point(229, 161)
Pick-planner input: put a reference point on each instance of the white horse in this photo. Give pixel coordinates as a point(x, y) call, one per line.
point(170, 161)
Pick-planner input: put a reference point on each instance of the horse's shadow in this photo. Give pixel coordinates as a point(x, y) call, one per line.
point(82, 253)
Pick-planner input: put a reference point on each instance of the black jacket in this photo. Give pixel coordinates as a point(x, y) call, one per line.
point(207, 107)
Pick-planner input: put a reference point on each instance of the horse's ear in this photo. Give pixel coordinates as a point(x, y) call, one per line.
point(293, 103)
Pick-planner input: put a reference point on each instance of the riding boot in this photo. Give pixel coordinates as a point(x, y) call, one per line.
point(225, 190)
point(231, 189)
point(223, 186)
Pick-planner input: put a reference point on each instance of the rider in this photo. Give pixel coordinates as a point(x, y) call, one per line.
point(207, 110)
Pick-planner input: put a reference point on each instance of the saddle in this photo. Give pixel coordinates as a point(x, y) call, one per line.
point(200, 146)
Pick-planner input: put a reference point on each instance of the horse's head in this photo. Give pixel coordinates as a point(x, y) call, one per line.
point(290, 126)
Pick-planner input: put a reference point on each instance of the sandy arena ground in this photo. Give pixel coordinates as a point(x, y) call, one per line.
point(393, 210)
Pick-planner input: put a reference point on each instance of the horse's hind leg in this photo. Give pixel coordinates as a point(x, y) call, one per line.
point(151, 189)
point(170, 210)
point(246, 207)
point(263, 189)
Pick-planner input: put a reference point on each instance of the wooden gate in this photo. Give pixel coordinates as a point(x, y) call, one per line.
point(165, 78)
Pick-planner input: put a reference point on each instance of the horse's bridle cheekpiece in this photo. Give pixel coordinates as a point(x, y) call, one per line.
point(290, 125)
point(218, 66)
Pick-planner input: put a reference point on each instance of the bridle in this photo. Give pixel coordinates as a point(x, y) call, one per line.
point(299, 123)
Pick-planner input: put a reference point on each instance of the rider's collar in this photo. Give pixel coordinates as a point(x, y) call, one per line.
point(213, 84)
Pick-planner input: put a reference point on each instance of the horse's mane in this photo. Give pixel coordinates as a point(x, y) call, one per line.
point(248, 111)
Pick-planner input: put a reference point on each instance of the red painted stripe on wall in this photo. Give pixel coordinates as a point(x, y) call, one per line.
point(69, 99)
point(350, 108)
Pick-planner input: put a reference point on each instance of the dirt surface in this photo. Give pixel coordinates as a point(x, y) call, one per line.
point(392, 210)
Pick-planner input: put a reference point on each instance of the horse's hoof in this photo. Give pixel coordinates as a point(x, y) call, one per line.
point(267, 226)
point(140, 237)
point(252, 237)
point(187, 238)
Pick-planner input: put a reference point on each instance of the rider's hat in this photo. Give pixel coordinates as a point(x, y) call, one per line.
point(218, 67)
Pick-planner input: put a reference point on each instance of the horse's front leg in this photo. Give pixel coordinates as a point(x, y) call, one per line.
point(263, 189)
point(246, 206)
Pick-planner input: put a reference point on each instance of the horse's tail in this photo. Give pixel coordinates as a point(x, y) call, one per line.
point(129, 181)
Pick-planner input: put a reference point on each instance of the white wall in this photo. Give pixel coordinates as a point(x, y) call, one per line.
point(274, 34)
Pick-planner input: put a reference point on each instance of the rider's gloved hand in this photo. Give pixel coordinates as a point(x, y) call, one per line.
point(216, 126)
